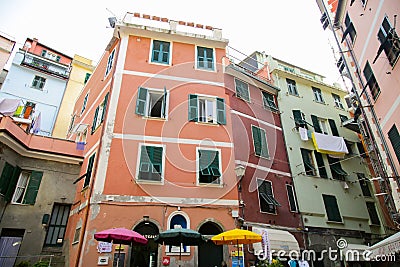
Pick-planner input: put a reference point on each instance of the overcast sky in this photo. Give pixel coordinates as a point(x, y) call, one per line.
point(289, 30)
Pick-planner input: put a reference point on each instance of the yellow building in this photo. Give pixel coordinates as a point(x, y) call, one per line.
point(81, 69)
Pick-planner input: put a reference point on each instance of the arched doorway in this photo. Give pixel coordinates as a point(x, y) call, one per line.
point(145, 256)
point(209, 253)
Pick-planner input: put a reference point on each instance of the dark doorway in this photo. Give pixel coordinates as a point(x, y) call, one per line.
point(145, 256)
point(209, 253)
point(10, 241)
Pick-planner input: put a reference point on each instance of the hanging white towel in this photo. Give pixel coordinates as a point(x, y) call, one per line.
point(303, 134)
point(9, 106)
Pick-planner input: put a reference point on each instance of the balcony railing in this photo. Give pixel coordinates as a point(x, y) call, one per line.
point(42, 64)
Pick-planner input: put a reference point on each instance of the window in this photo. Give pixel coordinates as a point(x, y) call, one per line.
point(321, 165)
point(308, 161)
point(269, 101)
point(260, 142)
point(266, 197)
point(99, 114)
point(160, 52)
point(178, 221)
point(364, 184)
point(242, 90)
point(151, 163)
point(394, 138)
point(361, 150)
point(320, 125)
point(71, 124)
point(8, 179)
point(77, 235)
point(343, 118)
point(209, 166)
point(341, 64)
point(318, 95)
point(291, 198)
point(44, 52)
point(337, 101)
point(84, 103)
point(26, 187)
point(152, 103)
point(364, 3)
point(331, 208)
point(89, 170)
point(336, 169)
point(57, 226)
point(87, 76)
point(207, 109)
point(334, 129)
point(299, 119)
point(58, 58)
point(350, 30)
point(373, 214)
point(390, 42)
point(324, 20)
point(110, 62)
point(205, 58)
point(38, 82)
point(292, 89)
point(349, 146)
point(371, 81)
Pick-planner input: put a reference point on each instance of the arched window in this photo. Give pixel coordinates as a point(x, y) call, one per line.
point(178, 220)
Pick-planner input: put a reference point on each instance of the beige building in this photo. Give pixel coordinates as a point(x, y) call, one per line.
point(81, 70)
point(7, 44)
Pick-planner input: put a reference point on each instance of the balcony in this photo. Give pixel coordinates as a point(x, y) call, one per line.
point(47, 66)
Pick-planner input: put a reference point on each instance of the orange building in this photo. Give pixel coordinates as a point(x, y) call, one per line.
point(155, 125)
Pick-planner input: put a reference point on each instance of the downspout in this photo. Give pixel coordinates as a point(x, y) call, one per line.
point(84, 224)
point(341, 7)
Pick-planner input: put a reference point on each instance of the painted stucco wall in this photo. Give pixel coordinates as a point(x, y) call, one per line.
point(6, 47)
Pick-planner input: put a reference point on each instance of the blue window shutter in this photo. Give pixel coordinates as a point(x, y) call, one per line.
point(13, 183)
point(33, 188)
point(193, 108)
point(221, 113)
point(96, 113)
point(104, 107)
point(141, 101)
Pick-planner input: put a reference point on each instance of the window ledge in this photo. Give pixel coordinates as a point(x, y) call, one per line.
point(149, 182)
point(210, 185)
point(160, 63)
point(205, 69)
point(299, 96)
point(207, 123)
point(75, 242)
point(335, 222)
point(154, 118)
point(322, 103)
point(177, 253)
point(258, 156)
point(269, 213)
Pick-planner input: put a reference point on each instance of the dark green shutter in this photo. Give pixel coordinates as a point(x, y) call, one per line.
point(13, 183)
point(394, 138)
point(321, 165)
point(6, 177)
point(150, 167)
point(104, 107)
point(260, 142)
point(89, 170)
point(164, 104)
point(221, 113)
point(96, 113)
point(33, 188)
point(332, 209)
point(156, 158)
point(141, 101)
point(292, 201)
point(193, 108)
point(298, 118)
point(334, 129)
point(315, 122)
point(373, 214)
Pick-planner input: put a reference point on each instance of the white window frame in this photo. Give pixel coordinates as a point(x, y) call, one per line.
point(169, 53)
point(248, 90)
point(292, 89)
point(110, 62)
point(40, 84)
point(212, 99)
point(139, 150)
point(84, 104)
point(337, 101)
point(156, 91)
point(23, 174)
point(323, 124)
point(318, 95)
point(168, 248)
point(214, 69)
point(219, 166)
point(258, 195)
point(266, 141)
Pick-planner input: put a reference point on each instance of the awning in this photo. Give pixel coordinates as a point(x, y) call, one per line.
point(279, 240)
point(387, 246)
point(354, 252)
point(329, 144)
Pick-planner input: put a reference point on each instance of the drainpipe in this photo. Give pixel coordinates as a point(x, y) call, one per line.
point(85, 221)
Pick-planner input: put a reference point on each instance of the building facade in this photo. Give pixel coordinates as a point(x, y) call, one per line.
point(266, 192)
point(158, 143)
point(368, 49)
point(81, 70)
point(37, 191)
point(37, 76)
point(7, 44)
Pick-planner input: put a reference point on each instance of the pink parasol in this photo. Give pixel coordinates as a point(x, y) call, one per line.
point(120, 236)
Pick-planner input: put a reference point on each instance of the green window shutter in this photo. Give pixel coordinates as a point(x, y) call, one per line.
point(334, 129)
point(13, 183)
point(150, 167)
point(193, 108)
point(156, 158)
point(96, 113)
point(104, 107)
point(221, 113)
point(315, 122)
point(332, 208)
point(321, 165)
point(33, 188)
point(242, 90)
point(141, 101)
point(260, 142)
point(373, 214)
point(298, 118)
point(205, 160)
point(394, 138)
point(6, 177)
point(89, 170)
point(291, 198)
